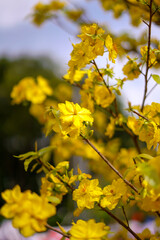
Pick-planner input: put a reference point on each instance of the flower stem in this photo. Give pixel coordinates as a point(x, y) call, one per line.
point(56, 230)
point(120, 222)
point(109, 164)
point(148, 54)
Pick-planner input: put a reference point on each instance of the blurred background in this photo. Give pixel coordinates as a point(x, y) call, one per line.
point(30, 50)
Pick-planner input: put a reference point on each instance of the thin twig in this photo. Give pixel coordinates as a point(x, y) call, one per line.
point(134, 138)
point(140, 115)
point(100, 74)
point(120, 222)
point(65, 183)
point(151, 89)
point(123, 210)
point(148, 55)
point(158, 214)
point(109, 164)
point(145, 22)
point(56, 230)
point(49, 169)
point(155, 11)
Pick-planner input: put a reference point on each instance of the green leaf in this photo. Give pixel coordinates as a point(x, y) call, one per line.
point(34, 166)
point(156, 78)
point(54, 199)
point(145, 156)
point(25, 155)
point(149, 173)
point(27, 162)
point(42, 151)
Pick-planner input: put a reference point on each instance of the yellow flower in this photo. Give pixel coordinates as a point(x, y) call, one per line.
point(43, 85)
point(146, 234)
point(92, 45)
point(87, 193)
point(152, 55)
point(110, 128)
point(111, 48)
point(88, 230)
point(74, 14)
point(28, 210)
point(93, 34)
point(35, 95)
point(72, 117)
point(63, 92)
point(18, 93)
point(112, 194)
point(81, 55)
point(53, 189)
point(103, 96)
point(131, 69)
point(56, 5)
point(87, 101)
point(147, 130)
point(76, 77)
point(44, 12)
point(28, 90)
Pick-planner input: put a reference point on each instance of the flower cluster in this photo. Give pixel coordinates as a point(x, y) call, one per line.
point(29, 211)
point(71, 119)
point(88, 230)
point(87, 193)
point(147, 126)
point(28, 90)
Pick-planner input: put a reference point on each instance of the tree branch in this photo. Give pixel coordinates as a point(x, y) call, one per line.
point(120, 222)
point(57, 231)
point(109, 164)
point(148, 55)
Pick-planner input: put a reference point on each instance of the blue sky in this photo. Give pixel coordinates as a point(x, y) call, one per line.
point(19, 37)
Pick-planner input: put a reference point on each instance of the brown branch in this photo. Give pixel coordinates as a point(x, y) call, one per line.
point(109, 164)
point(145, 22)
point(100, 74)
point(140, 115)
point(120, 222)
point(123, 210)
point(49, 169)
point(65, 183)
point(57, 231)
point(134, 138)
point(148, 55)
point(151, 89)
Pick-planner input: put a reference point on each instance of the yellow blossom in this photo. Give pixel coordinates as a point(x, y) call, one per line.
point(111, 48)
point(110, 128)
point(18, 93)
point(93, 34)
point(146, 234)
point(44, 12)
point(28, 90)
point(43, 85)
point(53, 188)
point(103, 96)
point(76, 77)
point(112, 193)
point(72, 117)
point(87, 193)
point(87, 101)
point(152, 55)
point(131, 69)
point(81, 55)
point(74, 14)
point(88, 230)
point(28, 210)
point(63, 92)
point(147, 129)
point(56, 5)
